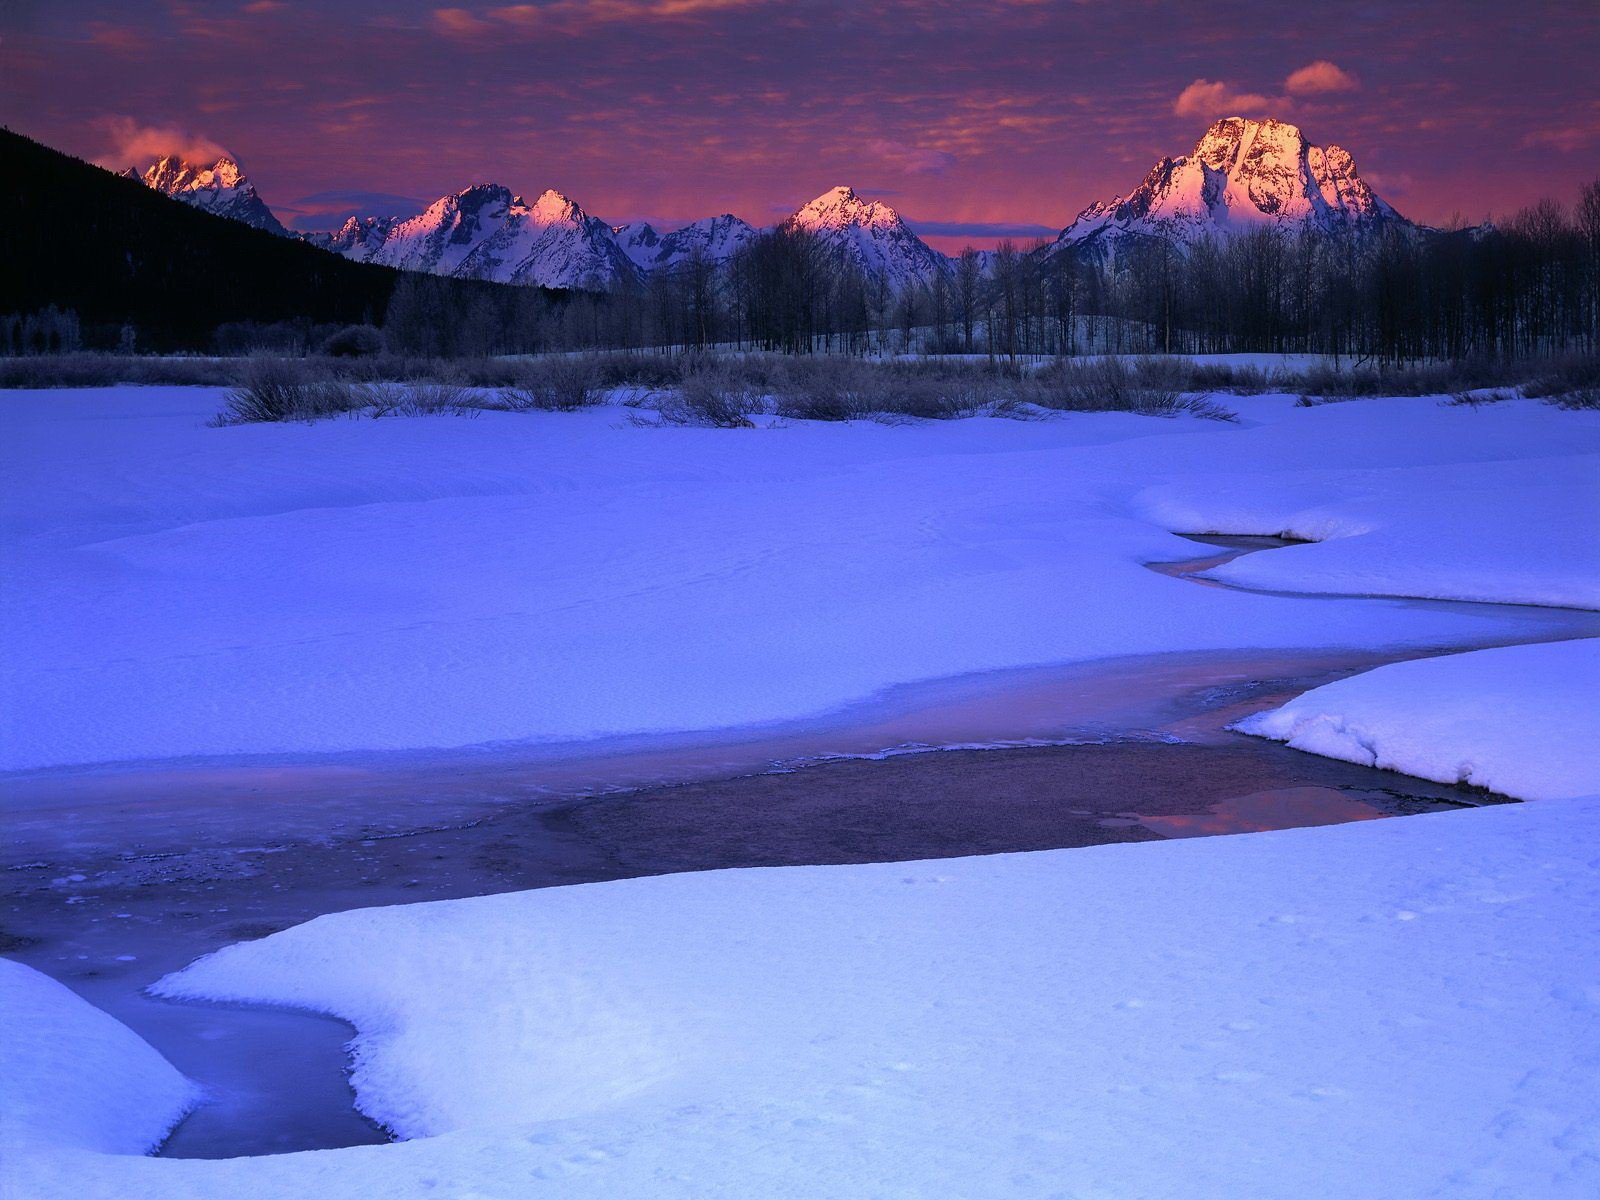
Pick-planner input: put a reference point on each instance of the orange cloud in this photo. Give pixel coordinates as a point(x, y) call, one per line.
point(134, 145)
point(1206, 98)
point(459, 22)
point(1320, 76)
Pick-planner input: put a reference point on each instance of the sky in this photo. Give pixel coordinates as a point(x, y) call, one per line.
point(976, 120)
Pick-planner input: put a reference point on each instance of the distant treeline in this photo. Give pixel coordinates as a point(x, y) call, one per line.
point(1529, 287)
point(1526, 288)
point(99, 262)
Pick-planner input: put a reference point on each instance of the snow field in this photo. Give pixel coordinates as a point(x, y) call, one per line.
point(177, 590)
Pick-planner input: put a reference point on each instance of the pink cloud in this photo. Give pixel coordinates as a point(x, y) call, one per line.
point(1565, 138)
point(1206, 98)
point(1319, 77)
point(459, 22)
point(134, 145)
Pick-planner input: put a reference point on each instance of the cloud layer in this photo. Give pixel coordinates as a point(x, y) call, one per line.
point(976, 114)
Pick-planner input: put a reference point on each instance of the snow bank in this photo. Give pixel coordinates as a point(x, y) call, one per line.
point(1523, 720)
point(1286, 1014)
point(173, 589)
point(77, 1079)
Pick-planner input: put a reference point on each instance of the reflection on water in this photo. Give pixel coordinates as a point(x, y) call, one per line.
point(1279, 808)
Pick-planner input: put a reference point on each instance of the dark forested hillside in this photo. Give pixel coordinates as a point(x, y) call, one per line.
point(82, 239)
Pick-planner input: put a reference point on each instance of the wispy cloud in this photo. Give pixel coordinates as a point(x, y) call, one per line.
point(916, 159)
point(132, 144)
point(572, 17)
point(1565, 138)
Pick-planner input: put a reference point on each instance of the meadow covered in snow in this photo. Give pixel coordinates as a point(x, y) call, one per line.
point(178, 590)
point(1403, 1007)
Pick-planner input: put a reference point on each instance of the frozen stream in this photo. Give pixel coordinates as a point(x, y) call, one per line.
point(115, 877)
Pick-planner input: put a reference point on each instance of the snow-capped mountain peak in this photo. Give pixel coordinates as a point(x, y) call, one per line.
point(488, 232)
point(639, 241)
point(552, 208)
point(1241, 174)
point(220, 187)
point(869, 236)
point(840, 208)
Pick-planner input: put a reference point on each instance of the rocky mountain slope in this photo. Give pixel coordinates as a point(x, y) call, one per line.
point(870, 236)
point(1243, 174)
point(221, 188)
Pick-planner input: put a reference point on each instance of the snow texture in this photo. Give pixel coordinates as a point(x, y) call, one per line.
point(76, 1079)
point(1397, 1008)
point(177, 590)
point(1520, 720)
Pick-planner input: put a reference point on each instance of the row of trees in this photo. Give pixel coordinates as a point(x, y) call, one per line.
point(1528, 286)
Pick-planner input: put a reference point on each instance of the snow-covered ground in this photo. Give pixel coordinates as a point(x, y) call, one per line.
point(173, 589)
point(1403, 1008)
point(75, 1079)
point(1520, 720)
point(1397, 1008)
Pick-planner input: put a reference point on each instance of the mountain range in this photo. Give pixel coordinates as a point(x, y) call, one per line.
point(1243, 174)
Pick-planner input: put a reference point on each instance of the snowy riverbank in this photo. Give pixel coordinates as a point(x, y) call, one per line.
point(1293, 1013)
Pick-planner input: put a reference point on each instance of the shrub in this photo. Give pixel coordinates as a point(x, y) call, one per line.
point(931, 398)
point(712, 395)
point(561, 384)
point(421, 399)
point(1150, 387)
point(647, 370)
point(354, 341)
point(280, 389)
point(825, 389)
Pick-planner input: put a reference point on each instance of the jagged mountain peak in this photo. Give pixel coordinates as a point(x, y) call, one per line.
point(871, 237)
point(219, 187)
point(552, 206)
point(840, 208)
point(486, 231)
point(1243, 173)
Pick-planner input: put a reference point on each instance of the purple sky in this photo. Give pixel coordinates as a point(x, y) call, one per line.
point(973, 119)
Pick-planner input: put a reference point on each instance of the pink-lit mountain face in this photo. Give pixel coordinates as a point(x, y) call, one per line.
point(1242, 175)
point(221, 188)
point(488, 232)
point(871, 237)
